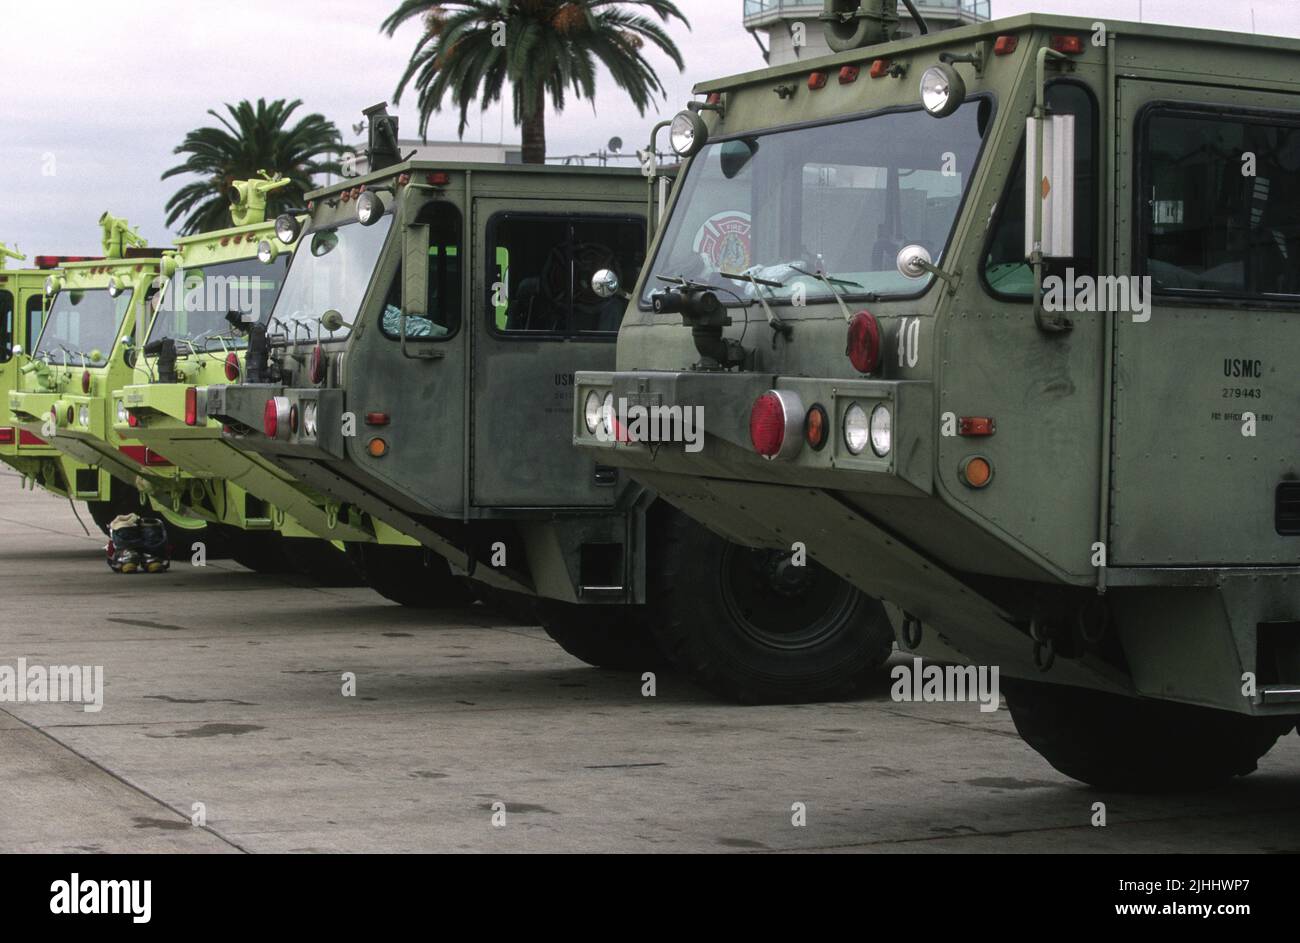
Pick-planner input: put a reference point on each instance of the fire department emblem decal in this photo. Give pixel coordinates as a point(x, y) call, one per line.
point(724, 241)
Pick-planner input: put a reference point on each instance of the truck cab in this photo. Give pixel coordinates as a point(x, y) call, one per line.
point(22, 315)
point(996, 322)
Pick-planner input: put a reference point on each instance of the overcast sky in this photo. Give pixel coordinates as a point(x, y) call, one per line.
point(95, 99)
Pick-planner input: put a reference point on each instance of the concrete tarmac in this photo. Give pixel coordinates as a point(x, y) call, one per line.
point(225, 688)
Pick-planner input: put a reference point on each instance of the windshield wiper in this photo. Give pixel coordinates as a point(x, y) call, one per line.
point(830, 282)
point(774, 322)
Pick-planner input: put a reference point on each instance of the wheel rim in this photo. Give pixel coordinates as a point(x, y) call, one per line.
point(779, 605)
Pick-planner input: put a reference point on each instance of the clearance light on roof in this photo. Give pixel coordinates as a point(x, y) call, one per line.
point(439, 178)
point(817, 80)
point(1005, 45)
point(1070, 45)
point(848, 75)
point(879, 69)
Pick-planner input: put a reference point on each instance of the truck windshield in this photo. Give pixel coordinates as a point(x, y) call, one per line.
point(197, 300)
point(82, 323)
point(330, 271)
point(838, 200)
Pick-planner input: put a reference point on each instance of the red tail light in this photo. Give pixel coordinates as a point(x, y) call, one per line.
point(318, 365)
point(132, 419)
point(232, 367)
point(1070, 45)
point(271, 419)
point(776, 424)
point(864, 342)
point(26, 438)
point(277, 418)
point(85, 382)
point(191, 406)
point(879, 68)
point(7, 435)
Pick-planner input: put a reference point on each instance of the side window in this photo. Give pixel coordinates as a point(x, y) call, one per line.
point(541, 269)
point(6, 326)
point(441, 317)
point(1221, 205)
point(1006, 271)
point(35, 321)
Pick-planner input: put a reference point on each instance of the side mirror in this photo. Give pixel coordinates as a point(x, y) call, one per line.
point(605, 283)
point(331, 320)
point(1049, 187)
point(914, 261)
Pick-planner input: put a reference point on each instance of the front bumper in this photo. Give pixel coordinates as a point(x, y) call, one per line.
point(716, 408)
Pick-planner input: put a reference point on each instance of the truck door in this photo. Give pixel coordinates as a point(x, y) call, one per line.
point(537, 322)
point(9, 334)
point(410, 394)
point(1206, 464)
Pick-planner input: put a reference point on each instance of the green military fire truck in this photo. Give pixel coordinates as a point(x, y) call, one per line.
point(417, 368)
point(1001, 324)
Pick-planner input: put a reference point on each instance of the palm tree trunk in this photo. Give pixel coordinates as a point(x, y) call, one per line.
point(534, 131)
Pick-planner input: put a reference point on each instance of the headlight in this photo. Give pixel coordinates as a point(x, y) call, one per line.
point(266, 252)
point(856, 430)
point(83, 416)
point(942, 90)
point(121, 413)
point(607, 413)
point(287, 228)
point(369, 208)
point(309, 420)
point(592, 410)
point(687, 134)
point(882, 430)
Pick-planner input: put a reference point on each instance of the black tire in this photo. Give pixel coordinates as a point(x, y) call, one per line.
point(410, 576)
point(749, 626)
point(321, 562)
point(517, 607)
point(616, 638)
point(261, 551)
point(1137, 744)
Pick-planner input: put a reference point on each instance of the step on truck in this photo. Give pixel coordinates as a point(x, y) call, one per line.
point(418, 367)
point(1001, 323)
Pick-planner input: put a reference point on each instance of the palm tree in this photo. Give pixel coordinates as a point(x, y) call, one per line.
point(472, 48)
point(260, 138)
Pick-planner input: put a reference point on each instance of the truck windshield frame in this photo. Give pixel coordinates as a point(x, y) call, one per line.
point(103, 317)
point(354, 252)
point(197, 298)
point(855, 204)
